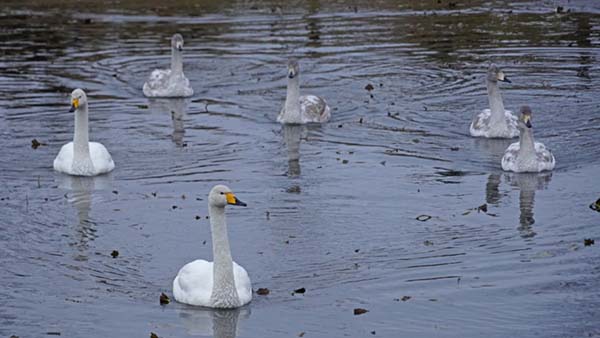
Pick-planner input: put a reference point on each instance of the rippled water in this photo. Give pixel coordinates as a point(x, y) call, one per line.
point(332, 208)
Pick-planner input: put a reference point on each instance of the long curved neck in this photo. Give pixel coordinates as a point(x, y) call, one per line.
point(292, 101)
point(526, 143)
point(176, 61)
point(81, 139)
point(496, 104)
point(223, 280)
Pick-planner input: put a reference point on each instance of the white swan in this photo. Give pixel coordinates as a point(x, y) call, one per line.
point(222, 284)
point(81, 157)
point(494, 122)
point(527, 155)
point(170, 82)
point(301, 109)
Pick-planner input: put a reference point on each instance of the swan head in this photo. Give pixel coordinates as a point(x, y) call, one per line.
point(221, 195)
point(496, 74)
point(78, 99)
point(525, 118)
point(177, 42)
point(293, 68)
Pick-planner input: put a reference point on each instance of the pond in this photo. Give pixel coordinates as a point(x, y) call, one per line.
point(380, 209)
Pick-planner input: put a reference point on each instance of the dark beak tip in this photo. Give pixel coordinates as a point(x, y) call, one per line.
point(72, 109)
point(507, 80)
point(291, 76)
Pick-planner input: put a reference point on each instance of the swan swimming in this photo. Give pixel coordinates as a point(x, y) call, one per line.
point(527, 155)
point(170, 82)
point(494, 122)
point(222, 283)
point(81, 157)
point(301, 109)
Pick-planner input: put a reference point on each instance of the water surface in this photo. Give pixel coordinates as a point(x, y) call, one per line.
point(332, 208)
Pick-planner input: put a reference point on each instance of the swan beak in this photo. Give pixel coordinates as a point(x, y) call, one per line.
point(231, 199)
point(74, 105)
point(179, 48)
point(291, 74)
point(503, 78)
point(527, 121)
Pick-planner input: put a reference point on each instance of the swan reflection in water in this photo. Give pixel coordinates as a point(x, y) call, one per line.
point(176, 108)
point(199, 321)
point(292, 135)
point(79, 193)
point(528, 183)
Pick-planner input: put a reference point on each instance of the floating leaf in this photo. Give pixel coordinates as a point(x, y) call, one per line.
point(164, 299)
point(360, 311)
point(262, 291)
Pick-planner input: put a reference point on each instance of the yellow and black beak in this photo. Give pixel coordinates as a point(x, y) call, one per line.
point(231, 199)
point(74, 105)
point(527, 120)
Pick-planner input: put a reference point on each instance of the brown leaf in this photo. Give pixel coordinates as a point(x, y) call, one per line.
point(262, 291)
point(164, 299)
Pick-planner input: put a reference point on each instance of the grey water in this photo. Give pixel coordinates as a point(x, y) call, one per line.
point(332, 208)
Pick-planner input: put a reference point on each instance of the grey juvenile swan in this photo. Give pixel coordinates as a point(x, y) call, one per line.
point(494, 122)
point(301, 109)
point(527, 155)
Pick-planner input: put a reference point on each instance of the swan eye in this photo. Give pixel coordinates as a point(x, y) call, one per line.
point(222, 193)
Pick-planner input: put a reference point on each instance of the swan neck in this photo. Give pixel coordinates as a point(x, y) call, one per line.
point(223, 279)
point(292, 101)
point(496, 104)
point(526, 142)
point(176, 61)
point(81, 142)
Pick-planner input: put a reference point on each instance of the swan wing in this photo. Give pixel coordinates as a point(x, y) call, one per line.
point(314, 109)
point(509, 159)
point(544, 157)
point(194, 282)
point(101, 158)
point(64, 160)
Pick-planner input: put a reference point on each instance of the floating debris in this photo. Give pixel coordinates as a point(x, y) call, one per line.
point(295, 189)
point(344, 161)
point(428, 243)
point(53, 333)
point(153, 194)
point(423, 218)
point(174, 207)
point(262, 291)
point(300, 291)
point(588, 242)
point(115, 192)
point(153, 335)
point(114, 254)
point(340, 125)
point(35, 144)
point(268, 214)
point(405, 298)
point(361, 120)
point(301, 334)
point(142, 106)
point(360, 311)
point(357, 250)
point(164, 299)
point(198, 217)
point(482, 208)
point(369, 87)
point(596, 205)
point(454, 148)
point(373, 332)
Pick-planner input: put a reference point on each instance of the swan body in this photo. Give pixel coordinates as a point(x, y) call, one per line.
point(301, 109)
point(81, 157)
point(222, 283)
point(495, 122)
point(170, 82)
point(527, 155)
